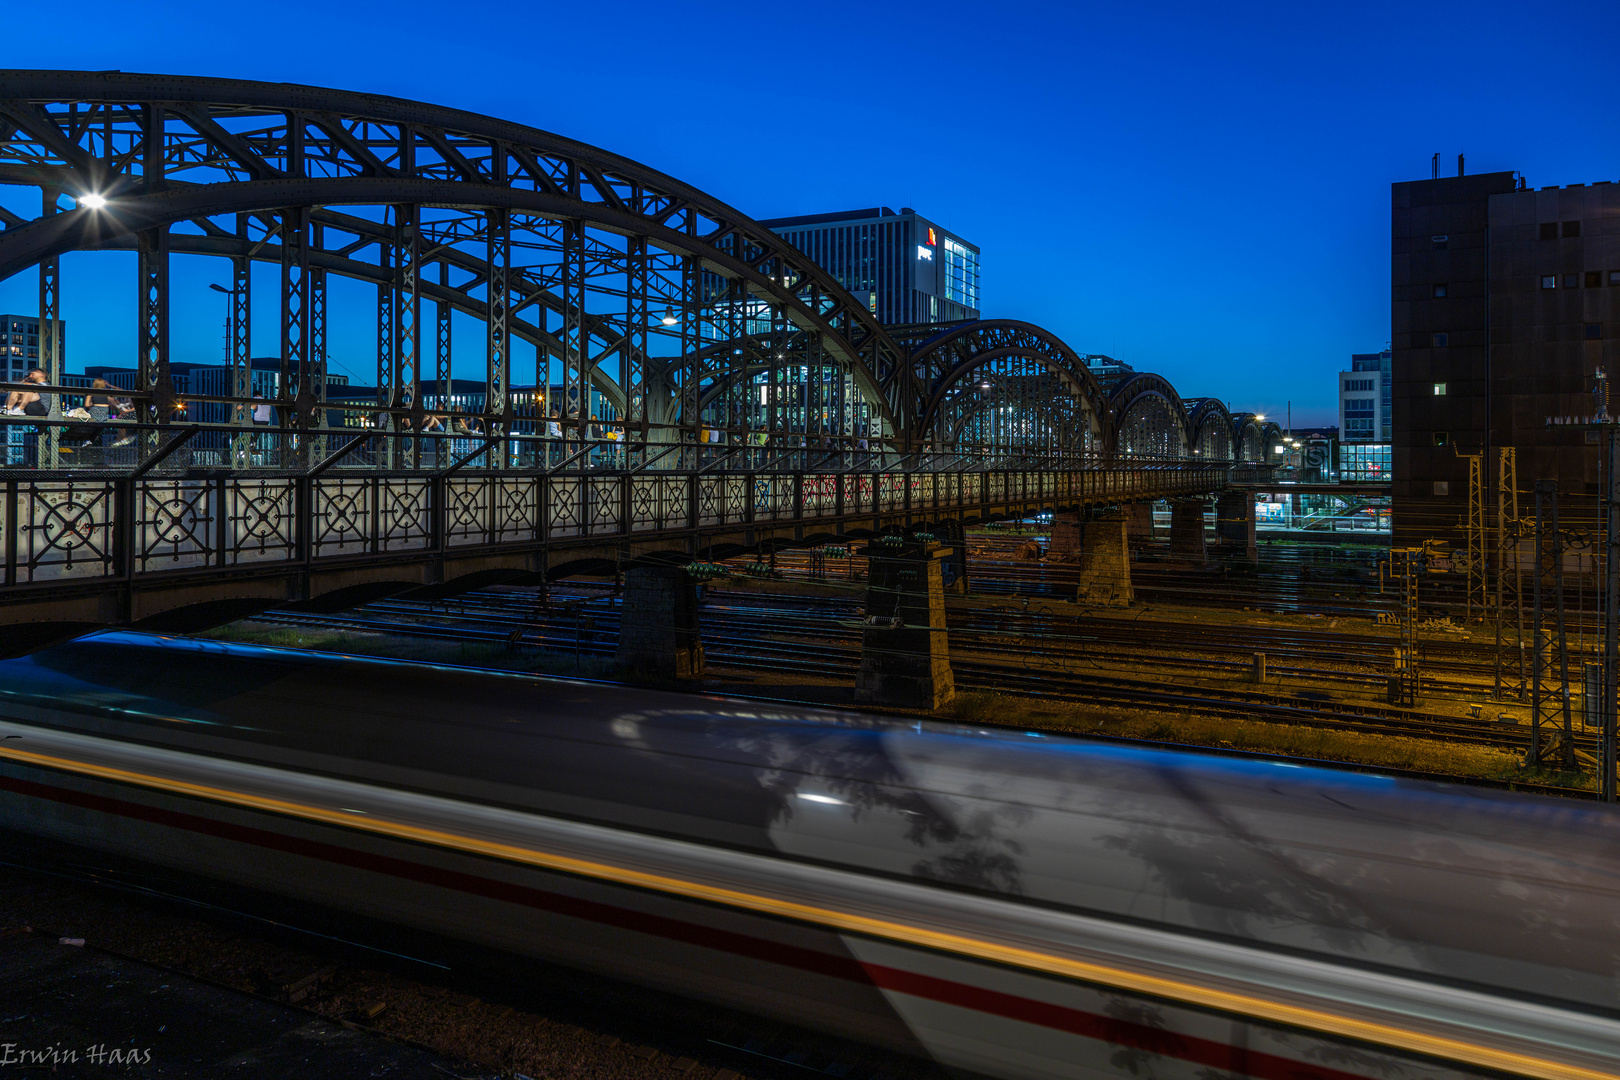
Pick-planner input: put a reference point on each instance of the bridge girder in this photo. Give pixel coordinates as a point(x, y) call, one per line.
point(172, 154)
point(546, 240)
point(1026, 370)
point(1150, 419)
point(1210, 425)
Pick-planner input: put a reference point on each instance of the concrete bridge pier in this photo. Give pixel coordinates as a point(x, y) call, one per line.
point(1066, 530)
point(954, 567)
point(658, 629)
point(905, 653)
point(1105, 560)
point(1139, 522)
point(1234, 524)
point(1187, 542)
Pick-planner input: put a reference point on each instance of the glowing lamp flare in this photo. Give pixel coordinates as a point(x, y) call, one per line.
point(92, 201)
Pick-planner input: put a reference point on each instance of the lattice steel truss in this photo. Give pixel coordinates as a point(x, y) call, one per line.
point(1509, 657)
point(1551, 738)
point(614, 298)
point(1474, 564)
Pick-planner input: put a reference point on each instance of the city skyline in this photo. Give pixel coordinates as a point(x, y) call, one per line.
point(1202, 198)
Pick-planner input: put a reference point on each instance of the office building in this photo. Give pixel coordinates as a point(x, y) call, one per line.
point(1108, 371)
point(906, 268)
point(1365, 395)
point(19, 342)
point(1505, 306)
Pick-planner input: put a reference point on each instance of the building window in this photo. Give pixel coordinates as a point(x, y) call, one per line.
point(1572, 281)
point(1591, 436)
point(1442, 487)
point(961, 274)
point(1549, 230)
point(1594, 331)
point(1440, 242)
point(1572, 228)
point(1439, 292)
point(1549, 281)
point(1440, 340)
point(1594, 279)
point(1614, 277)
point(1442, 438)
point(1439, 389)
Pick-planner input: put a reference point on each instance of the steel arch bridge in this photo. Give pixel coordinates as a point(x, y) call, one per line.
point(621, 279)
point(606, 292)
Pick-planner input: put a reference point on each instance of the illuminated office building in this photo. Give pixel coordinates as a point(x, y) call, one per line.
point(906, 268)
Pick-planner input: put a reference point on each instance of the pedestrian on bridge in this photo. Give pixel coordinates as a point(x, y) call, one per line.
point(30, 403)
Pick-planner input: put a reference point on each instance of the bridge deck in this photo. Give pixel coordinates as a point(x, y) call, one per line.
point(125, 549)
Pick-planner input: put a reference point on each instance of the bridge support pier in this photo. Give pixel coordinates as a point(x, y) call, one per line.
point(658, 628)
point(905, 654)
point(954, 571)
point(1139, 522)
point(1065, 542)
point(1187, 531)
point(1234, 524)
point(1105, 561)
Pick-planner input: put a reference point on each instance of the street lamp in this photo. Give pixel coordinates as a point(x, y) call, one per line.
point(91, 200)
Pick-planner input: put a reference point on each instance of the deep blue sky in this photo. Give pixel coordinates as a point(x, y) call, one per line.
point(1200, 190)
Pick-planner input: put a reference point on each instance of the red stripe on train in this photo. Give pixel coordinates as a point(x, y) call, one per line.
point(1126, 1034)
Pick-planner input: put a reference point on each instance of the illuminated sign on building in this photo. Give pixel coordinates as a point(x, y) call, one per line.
point(931, 241)
point(925, 253)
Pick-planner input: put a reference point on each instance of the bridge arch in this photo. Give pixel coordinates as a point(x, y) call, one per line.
point(1210, 429)
point(626, 272)
point(1150, 420)
point(1006, 386)
point(1254, 438)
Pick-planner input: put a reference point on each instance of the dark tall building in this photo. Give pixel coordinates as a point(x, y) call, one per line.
point(1505, 305)
point(907, 269)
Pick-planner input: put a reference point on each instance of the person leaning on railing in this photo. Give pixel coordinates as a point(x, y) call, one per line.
point(30, 403)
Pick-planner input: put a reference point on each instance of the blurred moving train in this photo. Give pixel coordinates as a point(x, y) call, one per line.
point(1008, 903)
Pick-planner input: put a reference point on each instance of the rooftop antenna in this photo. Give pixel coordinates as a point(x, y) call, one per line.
point(1434, 163)
point(1459, 165)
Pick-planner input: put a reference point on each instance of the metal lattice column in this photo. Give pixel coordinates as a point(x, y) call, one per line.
point(441, 363)
point(50, 336)
point(387, 302)
point(1405, 564)
point(241, 354)
point(1549, 688)
point(317, 350)
point(577, 359)
point(293, 392)
point(686, 372)
point(1509, 574)
point(497, 355)
point(632, 374)
point(153, 312)
point(408, 323)
point(1476, 537)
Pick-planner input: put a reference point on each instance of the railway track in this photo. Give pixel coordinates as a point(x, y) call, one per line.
point(751, 636)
